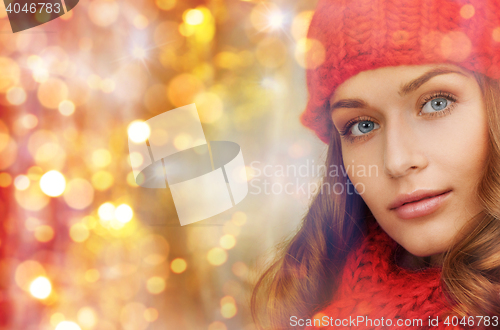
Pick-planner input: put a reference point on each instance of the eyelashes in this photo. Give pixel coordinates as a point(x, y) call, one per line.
point(439, 95)
point(345, 131)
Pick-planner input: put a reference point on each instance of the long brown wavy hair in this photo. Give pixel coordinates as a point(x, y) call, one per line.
point(305, 272)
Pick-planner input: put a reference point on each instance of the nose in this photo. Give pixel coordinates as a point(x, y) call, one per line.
point(403, 153)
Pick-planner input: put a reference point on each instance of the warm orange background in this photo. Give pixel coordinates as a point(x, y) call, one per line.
point(70, 88)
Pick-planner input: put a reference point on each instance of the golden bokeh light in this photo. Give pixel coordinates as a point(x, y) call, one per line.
point(79, 194)
point(183, 88)
point(186, 30)
point(131, 179)
point(138, 131)
point(41, 287)
point(217, 256)
point(228, 307)
point(29, 121)
point(35, 173)
point(239, 218)
point(56, 318)
point(151, 314)
point(94, 81)
point(227, 60)
point(87, 317)
point(52, 92)
point(34, 61)
point(103, 12)
point(182, 141)
point(301, 23)
point(102, 180)
point(92, 275)
point(21, 182)
point(124, 213)
point(166, 4)
point(4, 135)
point(106, 211)
point(44, 233)
point(9, 74)
point(155, 285)
point(193, 17)
point(136, 159)
point(210, 107)
point(275, 19)
point(3, 12)
point(178, 265)
point(26, 272)
point(5, 179)
point(227, 242)
point(139, 53)
point(456, 46)
point(50, 155)
point(159, 137)
point(115, 224)
point(240, 269)
point(467, 11)
point(16, 95)
point(40, 137)
point(217, 325)
point(108, 85)
point(41, 74)
point(496, 34)
point(8, 153)
point(141, 22)
point(101, 157)
point(33, 198)
point(53, 183)
point(309, 53)
point(240, 174)
point(79, 232)
point(66, 108)
point(68, 325)
point(266, 17)
point(31, 223)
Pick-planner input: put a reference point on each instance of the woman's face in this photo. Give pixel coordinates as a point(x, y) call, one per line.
point(414, 144)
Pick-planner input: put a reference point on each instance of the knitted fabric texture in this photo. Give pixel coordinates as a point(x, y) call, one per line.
point(357, 35)
point(374, 287)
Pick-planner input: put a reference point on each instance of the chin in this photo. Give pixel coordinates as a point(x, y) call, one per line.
point(422, 250)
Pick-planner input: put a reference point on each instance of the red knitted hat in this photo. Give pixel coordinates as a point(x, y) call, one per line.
point(359, 35)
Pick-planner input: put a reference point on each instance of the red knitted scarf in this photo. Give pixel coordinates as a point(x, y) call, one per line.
point(373, 286)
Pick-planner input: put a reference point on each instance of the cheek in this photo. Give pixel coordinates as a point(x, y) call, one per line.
point(364, 168)
point(459, 148)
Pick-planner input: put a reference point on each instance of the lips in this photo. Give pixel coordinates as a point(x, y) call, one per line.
point(418, 203)
point(415, 197)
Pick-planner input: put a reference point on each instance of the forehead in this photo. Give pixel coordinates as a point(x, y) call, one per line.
point(389, 79)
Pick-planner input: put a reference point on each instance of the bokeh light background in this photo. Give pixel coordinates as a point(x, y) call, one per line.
point(82, 247)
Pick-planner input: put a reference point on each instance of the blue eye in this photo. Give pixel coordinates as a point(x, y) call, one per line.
point(437, 104)
point(363, 127)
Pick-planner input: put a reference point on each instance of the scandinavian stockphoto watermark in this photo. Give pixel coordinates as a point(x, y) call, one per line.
point(366, 322)
point(305, 178)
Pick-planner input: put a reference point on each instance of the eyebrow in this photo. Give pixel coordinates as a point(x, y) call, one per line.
point(404, 89)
